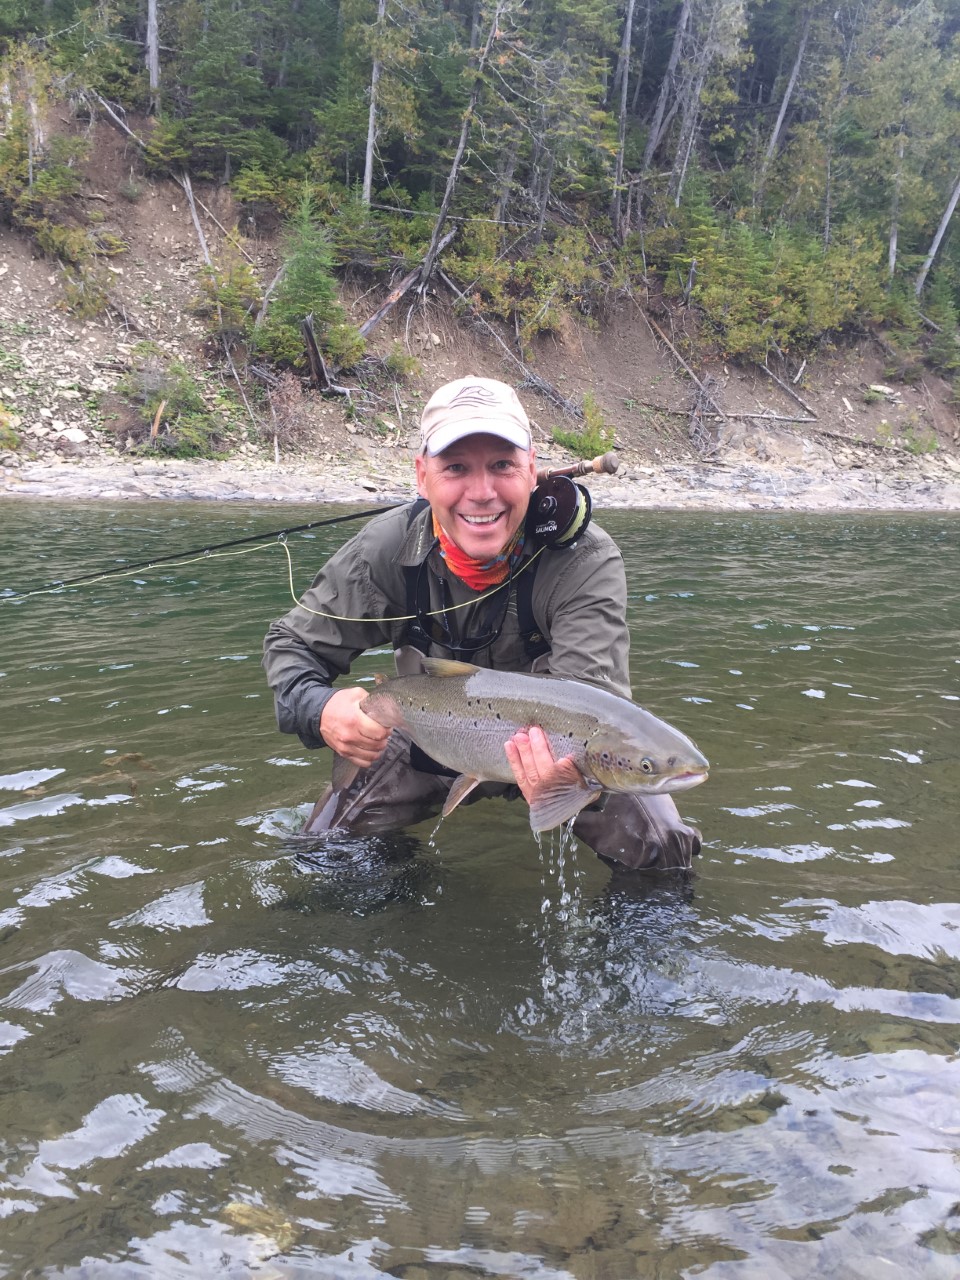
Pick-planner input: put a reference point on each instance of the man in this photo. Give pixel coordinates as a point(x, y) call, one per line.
point(457, 575)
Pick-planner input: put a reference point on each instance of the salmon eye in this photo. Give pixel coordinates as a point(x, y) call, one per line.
point(646, 765)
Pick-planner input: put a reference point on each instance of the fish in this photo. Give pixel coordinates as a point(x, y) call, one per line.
point(462, 715)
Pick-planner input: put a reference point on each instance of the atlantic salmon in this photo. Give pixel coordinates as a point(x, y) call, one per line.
point(462, 715)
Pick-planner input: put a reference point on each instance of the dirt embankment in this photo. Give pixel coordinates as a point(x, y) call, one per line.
point(837, 433)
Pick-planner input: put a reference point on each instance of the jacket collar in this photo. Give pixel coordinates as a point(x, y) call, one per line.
point(418, 540)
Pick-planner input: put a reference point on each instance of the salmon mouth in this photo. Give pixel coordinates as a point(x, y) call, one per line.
point(683, 781)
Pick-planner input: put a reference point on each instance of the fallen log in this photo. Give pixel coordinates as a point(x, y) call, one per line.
point(788, 389)
point(394, 296)
point(318, 366)
point(705, 398)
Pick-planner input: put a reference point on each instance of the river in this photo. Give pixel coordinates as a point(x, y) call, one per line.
point(453, 1052)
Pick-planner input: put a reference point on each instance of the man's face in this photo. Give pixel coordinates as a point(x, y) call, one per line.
point(479, 489)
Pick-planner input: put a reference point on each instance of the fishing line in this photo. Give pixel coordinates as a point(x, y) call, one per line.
point(197, 553)
point(218, 552)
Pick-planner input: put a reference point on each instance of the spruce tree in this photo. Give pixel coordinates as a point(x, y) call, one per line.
point(307, 288)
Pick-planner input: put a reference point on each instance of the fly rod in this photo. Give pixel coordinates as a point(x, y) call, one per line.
point(606, 463)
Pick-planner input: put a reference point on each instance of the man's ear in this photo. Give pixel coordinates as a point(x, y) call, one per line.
point(533, 468)
point(421, 466)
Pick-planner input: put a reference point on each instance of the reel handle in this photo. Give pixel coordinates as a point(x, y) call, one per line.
point(603, 464)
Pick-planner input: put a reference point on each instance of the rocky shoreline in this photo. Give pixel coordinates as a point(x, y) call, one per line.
point(731, 484)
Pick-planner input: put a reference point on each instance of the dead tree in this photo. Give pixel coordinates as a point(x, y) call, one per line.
point(429, 261)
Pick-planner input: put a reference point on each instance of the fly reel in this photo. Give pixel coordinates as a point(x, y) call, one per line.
point(559, 512)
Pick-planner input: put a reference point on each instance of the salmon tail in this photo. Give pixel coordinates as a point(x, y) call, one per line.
point(344, 772)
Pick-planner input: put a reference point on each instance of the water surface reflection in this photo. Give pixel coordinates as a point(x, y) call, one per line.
point(450, 1052)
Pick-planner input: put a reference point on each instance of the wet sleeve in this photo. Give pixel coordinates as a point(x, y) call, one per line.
point(305, 652)
point(586, 615)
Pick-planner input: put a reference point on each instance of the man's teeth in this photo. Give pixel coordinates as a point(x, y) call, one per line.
point(481, 519)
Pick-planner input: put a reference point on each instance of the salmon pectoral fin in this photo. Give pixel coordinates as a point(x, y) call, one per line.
point(383, 708)
point(462, 786)
point(344, 772)
point(554, 805)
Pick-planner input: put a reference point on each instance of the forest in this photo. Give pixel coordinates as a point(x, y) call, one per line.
point(788, 170)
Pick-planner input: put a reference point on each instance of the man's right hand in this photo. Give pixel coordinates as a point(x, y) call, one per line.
point(350, 732)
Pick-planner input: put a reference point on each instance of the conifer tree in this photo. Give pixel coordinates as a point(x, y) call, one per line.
point(307, 287)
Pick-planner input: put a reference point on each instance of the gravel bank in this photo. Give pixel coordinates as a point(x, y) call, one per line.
point(920, 484)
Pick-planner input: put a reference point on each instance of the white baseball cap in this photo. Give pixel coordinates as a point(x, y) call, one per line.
point(473, 406)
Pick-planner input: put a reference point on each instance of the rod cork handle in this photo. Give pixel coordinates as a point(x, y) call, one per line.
point(603, 464)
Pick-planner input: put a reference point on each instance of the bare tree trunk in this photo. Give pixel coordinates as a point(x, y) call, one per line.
point(153, 55)
point(941, 232)
point(787, 99)
point(431, 256)
point(688, 132)
point(545, 196)
point(372, 118)
point(623, 76)
point(657, 125)
point(895, 209)
point(789, 91)
point(505, 180)
point(642, 60)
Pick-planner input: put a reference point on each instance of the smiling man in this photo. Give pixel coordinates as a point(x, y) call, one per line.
point(457, 574)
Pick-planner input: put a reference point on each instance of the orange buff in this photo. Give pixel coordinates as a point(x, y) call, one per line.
point(479, 575)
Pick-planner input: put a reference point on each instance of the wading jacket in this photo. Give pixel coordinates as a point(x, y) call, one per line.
point(579, 605)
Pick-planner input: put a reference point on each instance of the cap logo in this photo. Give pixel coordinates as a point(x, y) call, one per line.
point(474, 395)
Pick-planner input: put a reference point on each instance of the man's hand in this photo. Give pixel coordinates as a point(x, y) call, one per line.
point(349, 731)
point(531, 759)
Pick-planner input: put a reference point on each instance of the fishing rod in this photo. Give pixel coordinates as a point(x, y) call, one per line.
point(571, 522)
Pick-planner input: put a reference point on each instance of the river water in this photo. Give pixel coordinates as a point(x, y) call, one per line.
point(452, 1052)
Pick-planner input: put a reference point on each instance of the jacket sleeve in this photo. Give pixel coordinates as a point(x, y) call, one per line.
point(585, 610)
point(337, 618)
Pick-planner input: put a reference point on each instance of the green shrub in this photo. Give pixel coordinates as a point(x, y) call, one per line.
point(185, 428)
point(344, 345)
point(167, 147)
point(85, 292)
point(130, 189)
point(230, 294)
point(400, 363)
point(593, 438)
point(9, 438)
point(70, 244)
point(916, 440)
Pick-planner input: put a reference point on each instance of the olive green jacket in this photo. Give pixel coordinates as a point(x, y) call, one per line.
point(359, 599)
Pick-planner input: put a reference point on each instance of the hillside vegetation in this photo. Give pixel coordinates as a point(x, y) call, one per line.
point(745, 185)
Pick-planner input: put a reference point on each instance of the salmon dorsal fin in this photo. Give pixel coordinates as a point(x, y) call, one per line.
point(409, 661)
point(448, 667)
